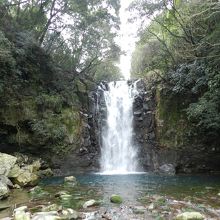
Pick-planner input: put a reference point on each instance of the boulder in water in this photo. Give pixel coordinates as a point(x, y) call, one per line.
point(52, 207)
point(66, 197)
point(53, 215)
point(151, 207)
point(89, 203)
point(70, 214)
point(168, 169)
point(21, 213)
point(139, 210)
point(116, 199)
point(190, 216)
point(70, 181)
point(21, 208)
point(61, 193)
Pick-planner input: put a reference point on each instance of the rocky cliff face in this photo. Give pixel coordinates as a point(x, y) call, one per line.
point(162, 134)
point(86, 157)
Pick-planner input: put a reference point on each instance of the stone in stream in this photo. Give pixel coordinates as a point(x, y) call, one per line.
point(53, 215)
point(61, 193)
point(52, 207)
point(89, 203)
point(151, 207)
point(116, 199)
point(70, 181)
point(21, 213)
point(190, 216)
point(21, 208)
point(139, 210)
point(66, 197)
point(70, 214)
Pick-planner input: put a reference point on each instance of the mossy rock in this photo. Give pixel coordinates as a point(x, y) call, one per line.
point(190, 216)
point(116, 199)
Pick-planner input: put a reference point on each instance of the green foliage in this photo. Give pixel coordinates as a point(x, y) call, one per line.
point(206, 112)
point(189, 79)
point(7, 61)
point(107, 71)
point(48, 130)
point(48, 101)
point(52, 53)
point(181, 46)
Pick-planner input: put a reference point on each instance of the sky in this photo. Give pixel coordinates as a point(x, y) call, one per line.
point(126, 39)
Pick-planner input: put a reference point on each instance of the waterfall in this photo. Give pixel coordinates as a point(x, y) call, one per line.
point(118, 153)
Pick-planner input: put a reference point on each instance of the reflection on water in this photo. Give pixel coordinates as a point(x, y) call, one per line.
point(132, 187)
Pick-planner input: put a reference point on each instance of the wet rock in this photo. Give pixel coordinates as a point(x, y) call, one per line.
point(70, 181)
point(146, 107)
point(168, 169)
point(35, 166)
point(89, 203)
point(209, 187)
point(21, 208)
point(52, 207)
point(116, 199)
point(66, 197)
point(38, 192)
point(7, 162)
point(151, 207)
point(61, 193)
point(139, 210)
point(45, 173)
point(22, 215)
point(6, 181)
point(22, 159)
point(16, 186)
point(26, 178)
point(53, 215)
point(190, 216)
point(4, 190)
point(15, 171)
point(138, 113)
point(70, 214)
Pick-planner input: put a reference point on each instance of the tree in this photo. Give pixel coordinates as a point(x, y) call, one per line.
point(180, 42)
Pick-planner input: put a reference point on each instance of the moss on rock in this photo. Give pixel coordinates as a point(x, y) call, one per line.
point(171, 120)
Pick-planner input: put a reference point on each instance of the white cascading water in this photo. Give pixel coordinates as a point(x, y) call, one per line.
point(118, 154)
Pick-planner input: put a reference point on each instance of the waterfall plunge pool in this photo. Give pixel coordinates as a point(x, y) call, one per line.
point(160, 196)
point(133, 186)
